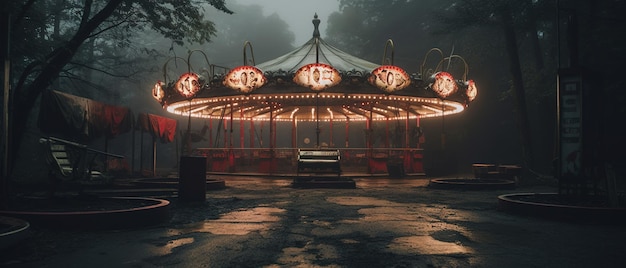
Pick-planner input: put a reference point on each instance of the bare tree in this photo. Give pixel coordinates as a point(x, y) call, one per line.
point(178, 20)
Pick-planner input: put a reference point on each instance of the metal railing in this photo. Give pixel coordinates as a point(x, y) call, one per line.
point(284, 160)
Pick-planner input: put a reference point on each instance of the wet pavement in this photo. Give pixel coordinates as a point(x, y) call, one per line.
point(262, 222)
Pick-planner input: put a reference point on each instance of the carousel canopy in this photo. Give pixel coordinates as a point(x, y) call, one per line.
point(317, 81)
point(316, 50)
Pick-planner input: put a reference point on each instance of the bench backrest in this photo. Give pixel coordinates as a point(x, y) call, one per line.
point(318, 155)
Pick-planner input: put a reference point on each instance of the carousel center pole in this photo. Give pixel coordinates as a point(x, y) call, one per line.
point(317, 120)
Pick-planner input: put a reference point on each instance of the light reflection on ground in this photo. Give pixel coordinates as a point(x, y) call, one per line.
point(419, 226)
point(305, 256)
point(380, 183)
point(167, 248)
point(243, 222)
point(361, 201)
point(426, 245)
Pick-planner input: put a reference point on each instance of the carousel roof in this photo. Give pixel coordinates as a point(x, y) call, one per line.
point(317, 81)
point(316, 50)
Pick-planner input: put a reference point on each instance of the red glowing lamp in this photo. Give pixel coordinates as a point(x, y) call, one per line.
point(158, 93)
point(317, 76)
point(245, 79)
point(472, 91)
point(389, 78)
point(444, 84)
point(188, 85)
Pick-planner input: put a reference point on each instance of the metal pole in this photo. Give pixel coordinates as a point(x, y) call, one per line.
point(317, 120)
point(406, 130)
point(6, 44)
point(189, 130)
point(330, 132)
point(271, 127)
point(294, 133)
point(347, 132)
point(241, 130)
point(230, 136)
point(211, 133)
point(443, 130)
point(252, 130)
point(5, 123)
point(154, 156)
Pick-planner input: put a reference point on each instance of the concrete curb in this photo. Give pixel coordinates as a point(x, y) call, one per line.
point(156, 212)
point(13, 231)
point(518, 204)
point(471, 184)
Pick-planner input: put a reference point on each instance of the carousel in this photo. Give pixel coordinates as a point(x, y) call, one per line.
point(315, 97)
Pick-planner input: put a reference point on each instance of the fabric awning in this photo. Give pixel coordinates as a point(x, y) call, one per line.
point(160, 127)
point(81, 118)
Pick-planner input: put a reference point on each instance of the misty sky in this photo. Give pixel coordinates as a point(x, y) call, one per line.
point(298, 14)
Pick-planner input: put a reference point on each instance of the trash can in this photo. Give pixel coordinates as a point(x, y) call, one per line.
point(192, 180)
point(395, 169)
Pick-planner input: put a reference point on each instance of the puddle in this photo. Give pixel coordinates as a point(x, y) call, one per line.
point(381, 182)
point(167, 248)
point(422, 229)
point(307, 256)
point(450, 236)
point(361, 201)
point(389, 214)
point(242, 222)
point(426, 245)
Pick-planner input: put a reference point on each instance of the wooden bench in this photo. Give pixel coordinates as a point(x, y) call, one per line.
point(319, 161)
point(72, 162)
point(485, 171)
point(493, 171)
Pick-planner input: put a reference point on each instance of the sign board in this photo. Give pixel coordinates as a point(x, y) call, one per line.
point(570, 126)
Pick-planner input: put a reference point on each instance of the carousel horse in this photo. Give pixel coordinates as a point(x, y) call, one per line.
point(197, 136)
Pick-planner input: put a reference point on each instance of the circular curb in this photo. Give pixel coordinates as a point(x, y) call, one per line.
point(100, 219)
point(570, 213)
point(472, 184)
point(211, 184)
point(16, 231)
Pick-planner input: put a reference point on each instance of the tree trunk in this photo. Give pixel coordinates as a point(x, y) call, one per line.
point(26, 96)
point(519, 94)
point(532, 33)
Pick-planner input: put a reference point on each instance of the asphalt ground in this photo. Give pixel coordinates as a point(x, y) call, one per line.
point(265, 222)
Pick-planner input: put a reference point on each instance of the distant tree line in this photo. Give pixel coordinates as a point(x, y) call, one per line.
point(523, 37)
point(107, 49)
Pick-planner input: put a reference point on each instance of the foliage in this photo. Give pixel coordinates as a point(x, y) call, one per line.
point(64, 38)
point(474, 28)
point(269, 36)
point(108, 46)
point(540, 44)
point(363, 26)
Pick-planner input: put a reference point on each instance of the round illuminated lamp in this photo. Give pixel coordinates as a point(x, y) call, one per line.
point(245, 79)
point(158, 93)
point(188, 85)
point(389, 78)
point(472, 91)
point(444, 84)
point(317, 76)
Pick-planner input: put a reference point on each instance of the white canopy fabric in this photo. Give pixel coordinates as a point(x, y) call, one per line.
point(316, 50)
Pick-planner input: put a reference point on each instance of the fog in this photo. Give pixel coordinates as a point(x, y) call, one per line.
point(298, 14)
point(487, 131)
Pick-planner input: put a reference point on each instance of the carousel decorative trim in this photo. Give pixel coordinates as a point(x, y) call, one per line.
point(245, 79)
point(317, 76)
point(308, 79)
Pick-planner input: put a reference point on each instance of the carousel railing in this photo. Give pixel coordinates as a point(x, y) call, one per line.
point(285, 160)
